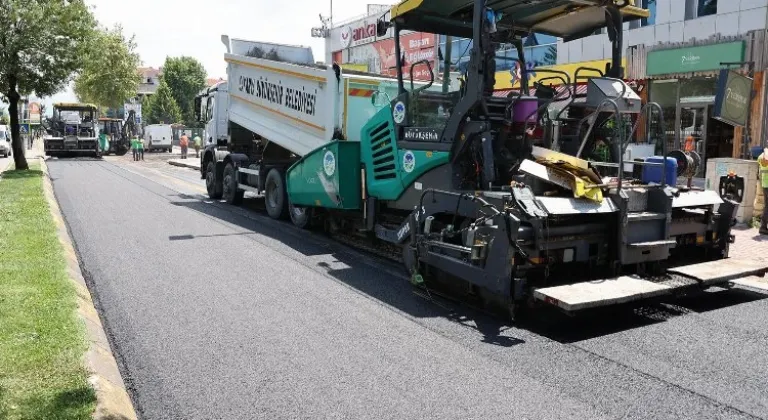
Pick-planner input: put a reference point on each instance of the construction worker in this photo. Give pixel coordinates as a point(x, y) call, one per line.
point(197, 143)
point(141, 148)
point(762, 160)
point(135, 147)
point(184, 143)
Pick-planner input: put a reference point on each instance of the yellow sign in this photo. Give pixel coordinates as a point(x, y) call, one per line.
point(504, 78)
point(355, 67)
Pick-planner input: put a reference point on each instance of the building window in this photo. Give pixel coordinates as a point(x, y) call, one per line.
point(700, 8)
point(706, 8)
point(650, 5)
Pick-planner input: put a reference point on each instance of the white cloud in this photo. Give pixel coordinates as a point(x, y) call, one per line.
point(194, 27)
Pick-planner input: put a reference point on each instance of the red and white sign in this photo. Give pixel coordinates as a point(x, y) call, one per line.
point(362, 32)
point(415, 47)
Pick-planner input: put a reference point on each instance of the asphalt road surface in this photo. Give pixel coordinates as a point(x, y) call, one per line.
point(220, 312)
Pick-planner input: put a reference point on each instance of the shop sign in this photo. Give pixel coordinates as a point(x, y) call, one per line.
point(733, 98)
point(359, 33)
point(415, 47)
point(693, 59)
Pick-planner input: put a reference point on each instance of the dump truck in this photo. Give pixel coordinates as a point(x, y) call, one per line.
point(73, 130)
point(491, 198)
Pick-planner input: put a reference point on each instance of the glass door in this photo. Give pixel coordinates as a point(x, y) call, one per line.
point(692, 129)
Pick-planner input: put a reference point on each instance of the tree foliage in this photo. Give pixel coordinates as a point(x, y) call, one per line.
point(42, 45)
point(161, 108)
point(109, 76)
point(185, 77)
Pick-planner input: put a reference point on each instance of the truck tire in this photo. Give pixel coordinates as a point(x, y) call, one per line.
point(229, 186)
point(275, 196)
point(300, 216)
point(212, 184)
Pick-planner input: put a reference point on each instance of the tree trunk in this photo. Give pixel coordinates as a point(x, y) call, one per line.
point(19, 154)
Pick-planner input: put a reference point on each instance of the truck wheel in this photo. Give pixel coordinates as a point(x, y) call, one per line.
point(230, 192)
point(300, 216)
point(212, 184)
point(275, 196)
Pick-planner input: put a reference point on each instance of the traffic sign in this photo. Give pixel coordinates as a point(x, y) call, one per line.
point(23, 128)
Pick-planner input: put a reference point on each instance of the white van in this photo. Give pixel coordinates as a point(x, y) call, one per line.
point(158, 137)
point(5, 141)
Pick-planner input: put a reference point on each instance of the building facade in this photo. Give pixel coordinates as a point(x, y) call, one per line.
point(355, 46)
point(680, 52)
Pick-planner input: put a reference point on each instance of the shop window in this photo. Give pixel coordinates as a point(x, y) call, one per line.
point(698, 90)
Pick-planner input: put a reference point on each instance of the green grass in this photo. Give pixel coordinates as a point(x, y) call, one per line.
point(42, 341)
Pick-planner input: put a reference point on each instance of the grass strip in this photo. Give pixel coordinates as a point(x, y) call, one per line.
point(42, 340)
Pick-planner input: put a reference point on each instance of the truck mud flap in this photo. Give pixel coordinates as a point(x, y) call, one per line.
point(721, 271)
point(605, 292)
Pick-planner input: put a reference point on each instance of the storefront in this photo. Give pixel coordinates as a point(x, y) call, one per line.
point(684, 82)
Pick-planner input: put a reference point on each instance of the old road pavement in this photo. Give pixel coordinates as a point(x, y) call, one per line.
point(220, 312)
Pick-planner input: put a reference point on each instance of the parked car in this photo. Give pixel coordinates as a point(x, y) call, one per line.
point(5, 141)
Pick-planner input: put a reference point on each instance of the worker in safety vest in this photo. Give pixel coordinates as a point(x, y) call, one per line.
point(197, 143)
point(141, 149)
point(135, 147)
point(763, 161)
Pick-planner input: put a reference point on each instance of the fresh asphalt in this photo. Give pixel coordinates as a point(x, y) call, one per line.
point(220, 312)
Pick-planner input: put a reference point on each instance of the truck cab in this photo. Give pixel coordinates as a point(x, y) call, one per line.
point(211, 108)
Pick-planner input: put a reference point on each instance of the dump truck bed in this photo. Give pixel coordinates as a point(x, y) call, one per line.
point(301, 107)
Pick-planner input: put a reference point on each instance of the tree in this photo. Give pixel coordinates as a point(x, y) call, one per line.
point(185, 77)
point(4, 120)
point(161, 107)
point(109, 76)
point(42, 44)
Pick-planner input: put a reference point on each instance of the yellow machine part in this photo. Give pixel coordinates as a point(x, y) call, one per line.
point(580, 180)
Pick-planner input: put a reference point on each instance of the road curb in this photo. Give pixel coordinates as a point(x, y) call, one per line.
point(112, 399)
point(180, 163)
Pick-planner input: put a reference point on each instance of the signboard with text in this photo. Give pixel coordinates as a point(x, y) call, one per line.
point(732, 100)
point(693, 59)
